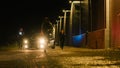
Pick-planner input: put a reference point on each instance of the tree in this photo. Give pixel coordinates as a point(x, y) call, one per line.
point(47, 27)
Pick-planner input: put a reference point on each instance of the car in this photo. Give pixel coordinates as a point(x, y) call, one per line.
point(37, 41)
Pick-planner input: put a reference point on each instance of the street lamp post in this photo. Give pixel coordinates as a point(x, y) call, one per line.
point(107, 30)
point(71, 17)
point(57, 27)
point(60, 27)
point(57, 30)
point(65, 13)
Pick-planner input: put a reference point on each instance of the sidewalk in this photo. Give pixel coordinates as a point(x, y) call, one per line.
point(102, 52)
point(73, 57)
point(72, 48)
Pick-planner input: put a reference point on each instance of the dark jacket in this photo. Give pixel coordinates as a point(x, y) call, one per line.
point(62, 36)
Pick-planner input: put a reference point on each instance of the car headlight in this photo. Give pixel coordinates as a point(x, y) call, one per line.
point(42, 46)
point(25, 41)
point(42, 41)
point(25, 46)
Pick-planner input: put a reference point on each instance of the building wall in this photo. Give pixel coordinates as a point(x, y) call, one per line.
point(97, 24)
point(92, 19)
point(96, 40)
point(115, 23)
point(92, 40)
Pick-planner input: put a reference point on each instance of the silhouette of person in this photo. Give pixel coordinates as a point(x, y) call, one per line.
point(62, 39)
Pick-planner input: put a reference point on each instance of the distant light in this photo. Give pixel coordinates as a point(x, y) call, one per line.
point(70, 1)
point(20, 33)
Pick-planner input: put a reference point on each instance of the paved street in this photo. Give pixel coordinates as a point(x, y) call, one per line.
point(69, 57)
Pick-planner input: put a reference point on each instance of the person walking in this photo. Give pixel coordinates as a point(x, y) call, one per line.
point(62, 39)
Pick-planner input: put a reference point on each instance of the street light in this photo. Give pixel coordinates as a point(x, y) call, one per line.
point(65, 13)
point(77, 2)
point(61, 17)
point(71, 12)
point(71, 17)
point(57, 30)
point(21, 31)
point(57, 21)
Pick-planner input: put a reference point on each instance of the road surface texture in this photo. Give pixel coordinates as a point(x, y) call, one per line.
point(69, 57)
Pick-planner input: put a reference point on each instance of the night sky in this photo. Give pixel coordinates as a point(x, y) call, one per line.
point(27, 14)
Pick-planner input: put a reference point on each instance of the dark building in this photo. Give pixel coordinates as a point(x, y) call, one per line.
point(88, 23)
point(95, 23)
